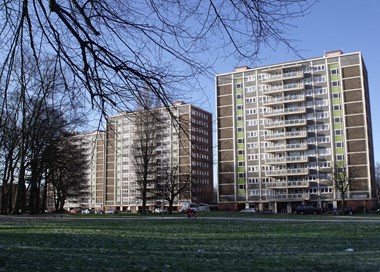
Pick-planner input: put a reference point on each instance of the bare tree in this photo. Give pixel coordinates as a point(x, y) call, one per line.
point(146, 137)
point(171, 184)
point(9, 141)
point(342, 179)
point(115, 49)
point(34, 114)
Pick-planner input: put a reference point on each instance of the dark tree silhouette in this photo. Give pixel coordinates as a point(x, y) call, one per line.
point(171, 184)
point(66, 172)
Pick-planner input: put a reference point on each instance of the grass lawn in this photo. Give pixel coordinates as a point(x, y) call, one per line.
point(126, 243)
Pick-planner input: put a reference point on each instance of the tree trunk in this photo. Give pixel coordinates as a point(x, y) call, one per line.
point(143, 209)
point(343, 203)
point(44, 196)
point(171, 201)
point(10, 192)
point(19, 205)
point(3, 189)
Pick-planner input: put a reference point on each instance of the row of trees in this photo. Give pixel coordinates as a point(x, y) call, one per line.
point(35, 154)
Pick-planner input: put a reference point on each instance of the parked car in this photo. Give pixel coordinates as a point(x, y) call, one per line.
point(202, 208)
point(159, 210)
point(307, 209)
point(248, 210)
point(193, 207)
point(88, 211)
point(111, 211)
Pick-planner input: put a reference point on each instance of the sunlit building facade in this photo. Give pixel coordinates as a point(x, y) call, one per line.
point(183, 145)
point(282, 128)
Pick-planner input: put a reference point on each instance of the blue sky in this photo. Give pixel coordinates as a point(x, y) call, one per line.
point(348, 25)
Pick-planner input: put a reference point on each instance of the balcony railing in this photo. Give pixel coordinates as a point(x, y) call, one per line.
point(284, 76)
point(286, 135)
point(287, 159)
point(283, 88)
point(288, 172)
point(286, 123)
point(289, 184)
point(305, 196)
point(284, 99)
point(288, 147)
point(294, 110)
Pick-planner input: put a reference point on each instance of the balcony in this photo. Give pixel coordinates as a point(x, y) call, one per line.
point(284, 99)
point(289, 184)
point(289, 197)
point(286, 123)
point(284, 88)
point(287, 172)
point(285, 111)
point(286, 135)
point(288, 147)
point(287, 159)
point(284, 76)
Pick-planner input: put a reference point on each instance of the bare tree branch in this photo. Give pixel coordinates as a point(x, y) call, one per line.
point(115, 49)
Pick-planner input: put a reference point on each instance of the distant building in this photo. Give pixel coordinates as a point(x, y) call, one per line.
point(183, 144)
point(282, 128)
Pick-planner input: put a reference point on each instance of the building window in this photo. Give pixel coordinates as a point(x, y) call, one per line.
point(239, 129)
point(318, 67)
point(320, 91)
point(324, 139)
point(336, 95)
point(324, 152)
point(241, 186)
point(241, 175)
point(239, 96)
point(319, 79)
point(337, 107)
point(240, 163)
point(240, 141)
point(250, 100)
point(320, 103)
point(324, 164)
point(334, 71)
point(239, 107)
point(250, 111)
point(339, 157)
point(309, 93)
point(338, 144)
point(337, 119)
point(251, 122)
point(239, 118)
point(250, 78)
point(250, 89)
point(313, 190)
point(322, 115)
point(240, 152)
point(335, 83)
